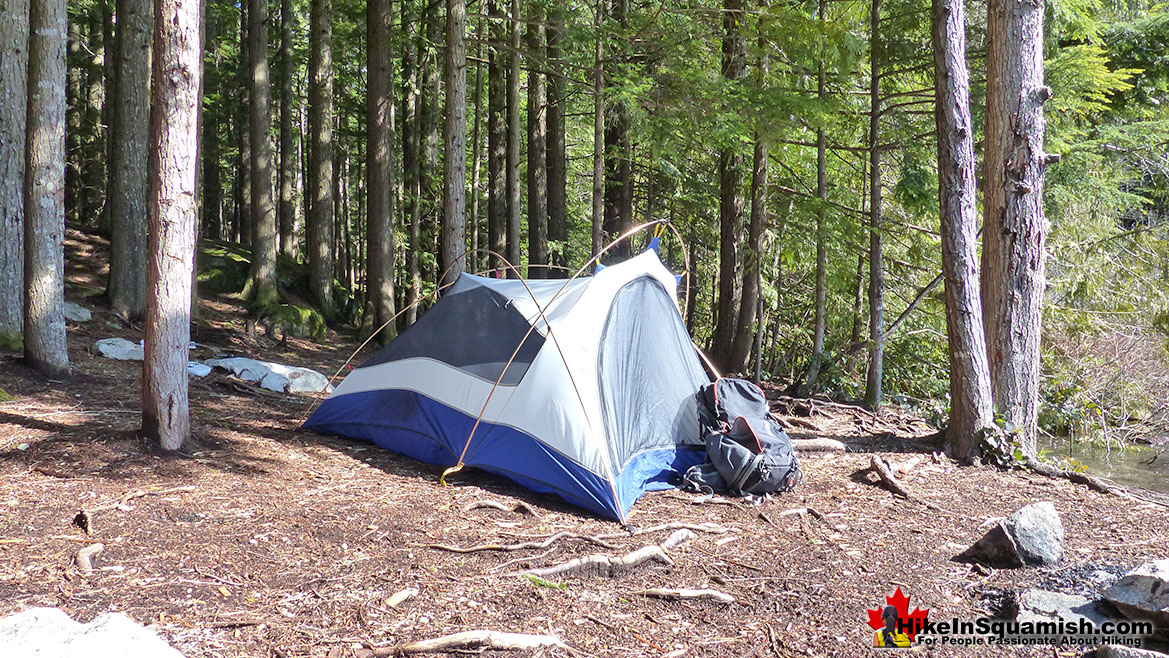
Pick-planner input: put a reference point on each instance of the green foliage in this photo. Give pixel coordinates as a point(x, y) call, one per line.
point(1002, 446)
point(541, 582)
point(5, 396)
point(11, 341)
point(294, 320)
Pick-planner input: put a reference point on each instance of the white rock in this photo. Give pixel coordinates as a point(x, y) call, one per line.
point(50, 633)
point(274, 376)
point(196, 369)
point(1143, 593)
point(118, 348)
point(75, 312)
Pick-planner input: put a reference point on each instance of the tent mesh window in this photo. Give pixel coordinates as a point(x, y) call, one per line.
point(647, 373)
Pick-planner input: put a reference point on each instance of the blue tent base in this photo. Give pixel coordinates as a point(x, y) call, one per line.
point(414, 425)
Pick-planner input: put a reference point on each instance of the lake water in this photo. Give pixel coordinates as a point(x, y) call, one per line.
point(1128, 467)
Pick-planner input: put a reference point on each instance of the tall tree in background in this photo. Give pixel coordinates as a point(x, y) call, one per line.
point(618, 149)
point(429, 113)
point(13, 89)
point(513, 142)
point(173, 164)
point(598, 213)
point(44, 191)
point(730, 208)
point(261, 288)
point(130, 133)
point(874, 376)
point(537, 146)
point(287, 208)
point(453, 258)
point(970, 397)
point(497, 133)
point(820, 323)
point(320, 171)
point(380, 166)
point(412, 190)
point(242, 230)
point(1014, 226)
point(557, 153)
point(210, 178)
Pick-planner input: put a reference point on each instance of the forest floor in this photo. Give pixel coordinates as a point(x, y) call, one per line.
point(263, 540)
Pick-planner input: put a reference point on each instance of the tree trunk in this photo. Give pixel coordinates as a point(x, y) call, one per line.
point(44, 185)
point(497, 190)
point(513, 143)
point(1015, 228)
point(970, 397)
point(598, 215)
point(730, 181)
point(410, 148)
point(475, 260)
point(618, 163)
point(210, 180)
point(93, 153)
point(320, 178)
point(243, 132)
point(820, 324)
point(429, 119)
point(75, 74)
point(380, 167)
point(876, 370)
point(287, 210)
point(130, 132)
point(173, 163)
point(557, 156)
point(14, 89)
point(752, 261)
point(454, 134)
point(261, 290)
point(537, 148)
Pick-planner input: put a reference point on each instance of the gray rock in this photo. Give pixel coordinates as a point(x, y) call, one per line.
point(118, 348)
point(1033, 535)
point(1041, 605)
point(1114, 651)
point(274, 376)
point(1143, 594)
point(75, 312)
point(50, 633)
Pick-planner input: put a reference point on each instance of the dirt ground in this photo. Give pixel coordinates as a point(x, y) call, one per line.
point(262, 540)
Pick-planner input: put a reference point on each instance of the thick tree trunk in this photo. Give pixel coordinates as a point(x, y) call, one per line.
point(14, 89)
point(44, 186)
point(618, 163)
point(130, 132)
point(1014, 226)
point(262, 280)
point(380, 167)
point(971, 407)
point(598, 214)
point(513, 143)
point(173, 164)
point(557, 156)
point(412, 189)
point(752, 263)
point(497, 196)
point(537, 147)
point(876, 370)
point(320, 171)
point(730, 182)
point(287, 209)
point(453, 254)
point(474, 257)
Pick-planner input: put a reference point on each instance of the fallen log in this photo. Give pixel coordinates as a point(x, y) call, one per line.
point(469, 640)
point(818, 445)
point(682, 594)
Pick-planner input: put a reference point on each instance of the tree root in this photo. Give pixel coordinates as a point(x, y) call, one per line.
point(818, 445)
point(675, 525)
point(681, 594)
point(120, 503)
point(85, 557)
point(1094, 483)
point(523, 545)
point(884, 471)
point(519, 507)
point(605, 565)
point(478, 640)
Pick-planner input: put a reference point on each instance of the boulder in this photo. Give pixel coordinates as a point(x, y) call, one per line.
point(118, 348)
point(1117, 651)
point(196, 369)
point(1143, 594)
point(1037, 605)
point(50, 633)
point(75, 312)
point(1033, 535)
point(274, 376)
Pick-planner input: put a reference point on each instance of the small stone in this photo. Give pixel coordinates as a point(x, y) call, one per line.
point(75, 312)
point(118, 348)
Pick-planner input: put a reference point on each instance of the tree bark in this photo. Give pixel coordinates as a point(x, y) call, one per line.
point(557, 156)
point(412, 190)
point(173, 163)
point(14, 89)
point(287, 209)
point(820, 323)
point(261, 289)
point(497, 191)
point(93, 153)
point(598, 214)
point(618, 162)
point(320, 178)
point(380, 167)
point(513, 143)
point(211, 178)
point(1015, 228)
point(44, 186)
point(475, 260)
point(752, 261)
point(971, 407)
point(454, 133)
point(876, 369)
point(537, 147)
point(130, 132)
point(243, 214)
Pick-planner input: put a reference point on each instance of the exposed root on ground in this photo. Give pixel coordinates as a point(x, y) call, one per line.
point(682, 594)
point(818, 445)
point(524, 545)
point(1097, 484)
point(518, 506)
point(605, 566)
point(85, 557)
point(469, 640)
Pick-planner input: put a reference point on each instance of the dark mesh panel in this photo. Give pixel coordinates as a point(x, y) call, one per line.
point(475, 330)
point(648, 373)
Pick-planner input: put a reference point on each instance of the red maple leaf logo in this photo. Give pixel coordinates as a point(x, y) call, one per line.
point(907, 622)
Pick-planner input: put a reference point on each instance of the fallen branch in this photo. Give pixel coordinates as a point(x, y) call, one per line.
point(120, 503)
point(523, 545)
point(680, 594)
point(885, 472)
point(85, 557)
point(675, 525)
point(605, 565)
point(519, 507)
point(818, 445)
point(479, 640)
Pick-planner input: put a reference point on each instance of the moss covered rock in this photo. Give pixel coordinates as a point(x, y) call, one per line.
point(293, 320)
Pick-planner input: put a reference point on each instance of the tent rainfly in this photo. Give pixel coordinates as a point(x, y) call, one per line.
point(585, 390)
